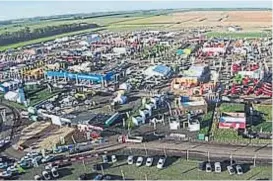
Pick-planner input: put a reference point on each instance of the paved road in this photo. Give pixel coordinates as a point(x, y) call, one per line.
point(213, 149)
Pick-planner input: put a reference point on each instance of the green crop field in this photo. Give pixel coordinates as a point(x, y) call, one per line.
point(16, 45)
point(176, 170)
point(102, 21)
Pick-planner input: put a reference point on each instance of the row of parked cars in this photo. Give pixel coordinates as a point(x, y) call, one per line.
point(139, 161)
point(218, 167)
point(149, 161)
point(50, 172)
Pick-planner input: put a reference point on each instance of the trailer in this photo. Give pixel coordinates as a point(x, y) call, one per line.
point(130, 139)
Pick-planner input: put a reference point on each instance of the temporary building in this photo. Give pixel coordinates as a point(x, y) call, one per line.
point(158, 70)
point(232, 121)
point(125, 86)
point(9, 85)
point(120, 50)
point(194, 71)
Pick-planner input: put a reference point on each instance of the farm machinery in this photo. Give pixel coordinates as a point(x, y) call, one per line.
point(247, 86)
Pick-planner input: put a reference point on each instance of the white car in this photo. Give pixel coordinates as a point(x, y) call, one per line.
point(160, 163)
point(5, 174)
point(47, 158)
point(231, 170)
point(114, 158)
point(37, 177)
point(208, 167)
point(46, 175)
point(104, 159)
point(149, 161)
point(54, 172)
point(239, 169)
point(217, 167)
point(12, 169)
point(130, 160)
point(33, 154)
point(139, 161)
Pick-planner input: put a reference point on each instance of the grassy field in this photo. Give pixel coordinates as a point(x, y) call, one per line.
point(266, 110)
point(102, 21)
point(231, 107)
point(239, 34)
point(41, 96)
point(177, 170)
point(231, 136)
point(205, 123)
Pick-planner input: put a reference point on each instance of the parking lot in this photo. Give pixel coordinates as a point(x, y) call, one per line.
point(174, 169)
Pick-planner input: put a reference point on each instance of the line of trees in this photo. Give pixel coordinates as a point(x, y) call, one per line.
point(28, 34)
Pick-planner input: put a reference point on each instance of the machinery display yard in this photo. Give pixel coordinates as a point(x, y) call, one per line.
point(199, 88)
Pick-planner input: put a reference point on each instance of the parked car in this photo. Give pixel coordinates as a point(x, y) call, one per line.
point(33, 154)
point(54, 172)
point(13, 169)
point(139, 161)
point(231, 170)
point(149, 161)
point(107, 177)
point(217, 167)
point(98, 177)
point(48, 158)
point(46, 175)
point(5, 174)
point(104, 159)
point(202, 166)
point(130, 160)
point(114, 158)
point(37, 177)
point(160, 163)
point(38, 158)
point(208, 167)
point(3, 165)
point(239, 170)
point(83, 177)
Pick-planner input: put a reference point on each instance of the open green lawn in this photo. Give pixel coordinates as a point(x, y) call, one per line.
point(231, 136)
point(231, 107)
point(178, 170)
point(266, 110)
point(41, 96)
point(239, 34)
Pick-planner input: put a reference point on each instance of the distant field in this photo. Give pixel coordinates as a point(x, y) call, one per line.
point(102, 21)
point(248, 20)
point(16, 45)
point(239, 34)
point(254, 21)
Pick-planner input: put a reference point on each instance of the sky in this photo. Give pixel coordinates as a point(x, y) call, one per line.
point(25, 9)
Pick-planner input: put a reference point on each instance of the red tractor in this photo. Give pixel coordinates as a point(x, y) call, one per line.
point(235, 89)
point(236, 68)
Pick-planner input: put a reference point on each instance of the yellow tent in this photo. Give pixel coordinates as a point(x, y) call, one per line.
point(187, 51)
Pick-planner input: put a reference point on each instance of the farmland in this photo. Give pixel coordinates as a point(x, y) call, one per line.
point(252, 22)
